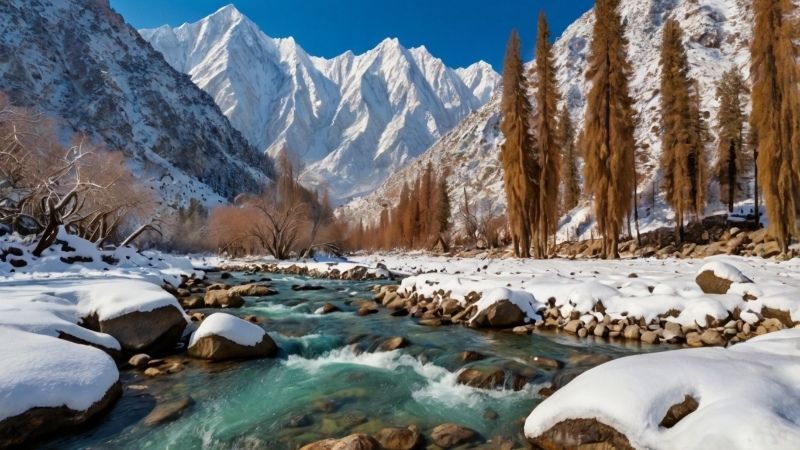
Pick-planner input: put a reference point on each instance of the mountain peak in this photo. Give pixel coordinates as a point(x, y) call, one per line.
point(229, 12)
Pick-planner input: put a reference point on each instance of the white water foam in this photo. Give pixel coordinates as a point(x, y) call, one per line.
point(440, 385)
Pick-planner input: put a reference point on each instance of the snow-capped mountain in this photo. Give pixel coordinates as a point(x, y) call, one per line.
point(78, 60)
point(351, 120)
point(717, 35)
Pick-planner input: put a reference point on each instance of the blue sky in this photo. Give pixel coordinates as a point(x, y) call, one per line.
point(458, 31)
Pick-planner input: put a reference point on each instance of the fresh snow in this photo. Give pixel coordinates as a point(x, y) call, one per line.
point(41, 371)
point(230, 327)
point(49, 297)
point(643, 288)
point(748, 396)
point(724, 271)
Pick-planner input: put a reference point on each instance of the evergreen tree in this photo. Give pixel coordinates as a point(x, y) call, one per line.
point(775, 120)
point(520, 170)
point(548, 146)
point(571, 190)
point(681, 130)
point(443, 210)
point(730, 128)
point(607, 138)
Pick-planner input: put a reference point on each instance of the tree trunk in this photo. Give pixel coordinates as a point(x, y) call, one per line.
point(731, 175)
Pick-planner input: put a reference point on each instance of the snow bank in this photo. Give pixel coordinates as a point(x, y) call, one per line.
point(641, 288)
point(747, 394)
point(41, 371)
point(230, 327)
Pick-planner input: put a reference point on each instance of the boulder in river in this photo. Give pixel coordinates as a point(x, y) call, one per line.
point(223, 299)
point(168, 411)
point(449, 435)
point(223, 337)
point(252, 290)
point(501, 314)
point(399, 438)
point(144, 331)
point(352, 442)
point(393, 343)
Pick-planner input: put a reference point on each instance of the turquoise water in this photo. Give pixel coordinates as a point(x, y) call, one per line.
point(327, 383)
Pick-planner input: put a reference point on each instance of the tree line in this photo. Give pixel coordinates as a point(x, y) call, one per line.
point(540, 151)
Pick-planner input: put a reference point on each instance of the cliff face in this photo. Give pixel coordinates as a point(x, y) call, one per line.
point(79, 60)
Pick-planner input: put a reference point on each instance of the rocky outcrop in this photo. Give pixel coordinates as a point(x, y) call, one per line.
point(37, 423)
point(581, 433)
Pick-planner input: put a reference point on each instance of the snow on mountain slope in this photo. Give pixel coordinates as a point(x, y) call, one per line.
point(78, 60)
point(351, 120)
point(717, 34)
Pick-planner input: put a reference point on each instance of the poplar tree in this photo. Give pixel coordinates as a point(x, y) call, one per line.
point(682, 131)
point(548, 146)
point(607, 138)
point(775, 119)
point(520, 170)
point(730, 128)
point(443, 209)
point(571, 189)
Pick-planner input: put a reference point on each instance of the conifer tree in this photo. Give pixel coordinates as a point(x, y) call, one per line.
point(548, 146)
point(520, 170)
point(682, 131)
point(443, 210)
point(730, 128)
point(607, 138)
point(775, 120)
point(571, 190)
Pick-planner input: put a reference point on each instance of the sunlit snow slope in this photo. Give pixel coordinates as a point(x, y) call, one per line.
point(351, 120)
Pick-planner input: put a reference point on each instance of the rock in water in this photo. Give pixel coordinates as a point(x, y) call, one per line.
point(352, 442)
point(252, 290)
point(167, 412)
point(450, 435)
point(393, 343)
point(501, 314)
point(223, 337)
point(146, 331)
point(399, 438)
point(223, 299)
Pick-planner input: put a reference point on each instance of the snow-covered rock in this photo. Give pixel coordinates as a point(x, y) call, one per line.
point(80, 61)
point(717, 36)
point(223, 336)
point(746, 397)
point(48, 384)
point(351, 120)
point(717, 277)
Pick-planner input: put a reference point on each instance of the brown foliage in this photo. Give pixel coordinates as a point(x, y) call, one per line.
point(775, 121)
point(682, 131)
point(520, 168)
point(81, 187)
point(607, 138)
point(547, 145)
point(285, 219)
